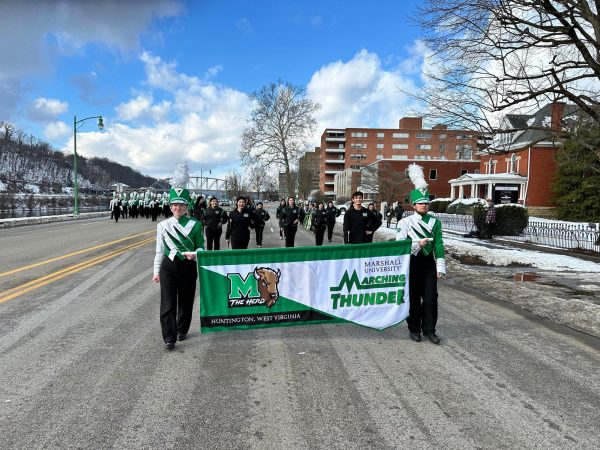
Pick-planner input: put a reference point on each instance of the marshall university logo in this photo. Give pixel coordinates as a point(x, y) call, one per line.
point(256, 289)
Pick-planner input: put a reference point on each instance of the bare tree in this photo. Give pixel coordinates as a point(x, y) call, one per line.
point(279, 129)
point(236, 185)
point(388, 184)
point(258, 180)
point(492, 56)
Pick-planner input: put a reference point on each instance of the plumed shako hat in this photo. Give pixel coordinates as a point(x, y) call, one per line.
point(420, 194)
point(179, 193)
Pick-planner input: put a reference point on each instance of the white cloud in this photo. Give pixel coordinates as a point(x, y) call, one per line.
point(197, 121)
point(244, 26)
point(57, 130)
point(361, 93)
point(34, 32)
point(45, 109)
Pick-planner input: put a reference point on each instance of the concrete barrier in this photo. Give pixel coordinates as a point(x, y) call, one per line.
point(22, 221)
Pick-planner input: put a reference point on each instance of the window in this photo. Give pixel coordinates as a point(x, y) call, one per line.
point(379, 145)
point(380, 135)
point(423, 147)
point(433, 174)
point(358, 156)
point(358, 134)
point(463, 171)
point(379, 157)
point(399, 156)
point(442, 148)
point(423, 136)
point(442, 136)
point(400, 135)
point(359, 146)
point(356, 166)
point(399, 146)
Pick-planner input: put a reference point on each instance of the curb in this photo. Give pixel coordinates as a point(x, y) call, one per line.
point(23, 221)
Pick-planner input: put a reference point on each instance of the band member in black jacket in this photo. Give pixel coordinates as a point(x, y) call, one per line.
point(292, 215)
point(355, 221)
point(319, 223)
point(332, 213)
point(260, 217)
point(374, 222)
point(279, 217)
point(213, 218)
point(238, 226)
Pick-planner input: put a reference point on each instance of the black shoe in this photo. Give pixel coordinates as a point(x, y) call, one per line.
point(415, 336)
point(169, 345)
point(181, 337)
point(433, 338)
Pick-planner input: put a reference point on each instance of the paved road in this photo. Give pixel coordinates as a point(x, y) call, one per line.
point(82, 365)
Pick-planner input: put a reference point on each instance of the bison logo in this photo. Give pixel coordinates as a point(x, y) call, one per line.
point(267, 280)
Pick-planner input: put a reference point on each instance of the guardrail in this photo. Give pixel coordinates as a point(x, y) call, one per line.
point(559, 235)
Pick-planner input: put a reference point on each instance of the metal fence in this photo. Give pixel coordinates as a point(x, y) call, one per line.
point(559, 235)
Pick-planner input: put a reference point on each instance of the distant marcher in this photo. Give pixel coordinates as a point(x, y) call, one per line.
point(490, 218)
point(177, 240)
point(427, 260)
point(213, 218)
point(332, 213)
point(319, 223)
point(260, 217)
point(116, 209)
point(279, 217)
point(239, 224)
point(292, 215)
point(398, 211)
point(389, 214)
point(374, 222)
point(355, 221)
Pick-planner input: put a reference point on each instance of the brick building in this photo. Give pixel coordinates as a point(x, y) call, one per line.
point(355, 148)
point(308, 172)
point(438, 174)
point(519, 166)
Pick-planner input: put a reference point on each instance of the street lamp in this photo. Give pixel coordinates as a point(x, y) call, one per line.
point(75, 185)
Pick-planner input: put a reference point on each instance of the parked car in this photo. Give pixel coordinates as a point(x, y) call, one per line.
point(225, 203)
point(343, 206)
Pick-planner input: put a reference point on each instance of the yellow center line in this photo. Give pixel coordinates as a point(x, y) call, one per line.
point(47, 279)
point(68, 255)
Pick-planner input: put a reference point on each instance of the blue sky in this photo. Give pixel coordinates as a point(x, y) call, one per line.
point(172, 78)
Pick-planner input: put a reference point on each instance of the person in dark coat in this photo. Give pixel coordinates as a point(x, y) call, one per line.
point(292, 215)
point(213, 218)
point(332, 213)
point(398, 211)
point(490, 219)
point(355, 221)
point(279, 217)
point(319, 223)
point(116, 209)
point(260, 217)
point(374, 222)
point(239, 224)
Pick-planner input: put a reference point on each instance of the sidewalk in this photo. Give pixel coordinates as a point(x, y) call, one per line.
point(21, 221)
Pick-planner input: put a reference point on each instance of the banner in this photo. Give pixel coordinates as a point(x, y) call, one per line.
point(366, 284)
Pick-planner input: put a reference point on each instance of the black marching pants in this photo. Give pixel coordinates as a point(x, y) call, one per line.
point(290, 234)
point(237, 244)
point(259, 233)
point(319, 234)
point(177, 291)
point(423, 312)
point(330, 226)
point(213, 238)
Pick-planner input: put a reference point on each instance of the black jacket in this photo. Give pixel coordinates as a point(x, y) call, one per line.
point(239, 224)
point(375, 220)
point(355, 225)
point(260, 217)
point(398, 211)
point(332, 213)
point(319, 218)
point(290, 214)
point(214, 218)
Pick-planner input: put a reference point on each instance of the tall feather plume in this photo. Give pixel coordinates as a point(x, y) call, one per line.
point(181, 177)
point(415, 173)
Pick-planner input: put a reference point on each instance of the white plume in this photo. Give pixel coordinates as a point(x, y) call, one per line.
point(181, 177)
point(415, 173)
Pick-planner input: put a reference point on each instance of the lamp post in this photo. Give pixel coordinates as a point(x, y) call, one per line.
point(75, 185)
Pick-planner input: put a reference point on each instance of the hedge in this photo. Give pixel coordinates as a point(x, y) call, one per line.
point(511, 220)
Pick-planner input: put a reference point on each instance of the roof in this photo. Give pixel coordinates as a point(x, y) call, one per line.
point(489, 177)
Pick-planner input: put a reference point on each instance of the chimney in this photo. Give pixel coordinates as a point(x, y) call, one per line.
point(556, 115)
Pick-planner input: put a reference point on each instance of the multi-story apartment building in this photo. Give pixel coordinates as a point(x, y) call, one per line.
point(354, 148)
